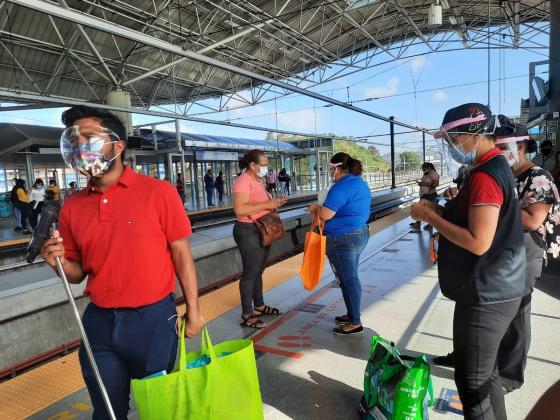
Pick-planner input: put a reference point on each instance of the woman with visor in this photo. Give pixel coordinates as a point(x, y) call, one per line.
point(537, 195)
point(481, 256)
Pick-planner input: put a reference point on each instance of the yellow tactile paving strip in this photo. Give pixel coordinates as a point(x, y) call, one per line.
point(19, 241)
point(41, 387)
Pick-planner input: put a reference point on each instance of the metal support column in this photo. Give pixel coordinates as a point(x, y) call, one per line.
point(423, 147)
point(318, 170)
point(169, 168)
point(180, 148)
point(154, 137)
point(554, 62)
point(392, 131)
point(29, 170)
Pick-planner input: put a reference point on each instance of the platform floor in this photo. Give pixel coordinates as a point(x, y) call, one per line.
point(306, 372)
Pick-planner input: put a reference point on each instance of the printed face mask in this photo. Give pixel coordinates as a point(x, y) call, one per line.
point(84, 151)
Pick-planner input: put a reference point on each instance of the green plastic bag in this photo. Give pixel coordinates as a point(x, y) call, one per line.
point(396, 387)
point(226, 388)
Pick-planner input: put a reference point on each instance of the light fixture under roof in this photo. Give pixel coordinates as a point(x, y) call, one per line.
point(453, 20)
point(435, 14)
point(445, 4)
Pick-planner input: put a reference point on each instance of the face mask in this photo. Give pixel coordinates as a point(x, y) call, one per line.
point(263, 171)
point(459, 155)
point(87, 157)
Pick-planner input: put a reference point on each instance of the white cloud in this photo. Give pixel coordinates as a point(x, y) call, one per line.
point(302, 120)
point(418, 63)
point(440, 96)
point(381, 91)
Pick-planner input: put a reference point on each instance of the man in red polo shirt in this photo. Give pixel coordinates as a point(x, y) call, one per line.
point(128, 234)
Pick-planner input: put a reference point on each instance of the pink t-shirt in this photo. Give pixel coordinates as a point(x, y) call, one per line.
point(246, 184)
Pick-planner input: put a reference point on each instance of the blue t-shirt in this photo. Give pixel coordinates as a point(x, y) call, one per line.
point(350, 199)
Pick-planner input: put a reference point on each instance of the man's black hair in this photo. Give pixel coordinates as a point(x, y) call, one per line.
point(108, 119)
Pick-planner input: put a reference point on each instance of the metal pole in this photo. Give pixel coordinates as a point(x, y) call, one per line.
point(29, 170)
point(180, 147)
point(423, 147)
point(85, 340)
point(318, 171)
point(554, 63)
point(392, 133)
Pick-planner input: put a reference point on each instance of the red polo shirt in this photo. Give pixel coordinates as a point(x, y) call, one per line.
point(122, 239)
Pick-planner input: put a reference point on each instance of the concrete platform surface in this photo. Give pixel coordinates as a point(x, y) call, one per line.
point(306, 372)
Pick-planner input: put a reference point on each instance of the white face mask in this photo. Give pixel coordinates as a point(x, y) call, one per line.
point(263, 171)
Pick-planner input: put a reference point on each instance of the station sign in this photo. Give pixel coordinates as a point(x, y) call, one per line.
point(213, 156)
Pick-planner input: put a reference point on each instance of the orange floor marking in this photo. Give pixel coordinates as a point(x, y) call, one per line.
point(279, 352)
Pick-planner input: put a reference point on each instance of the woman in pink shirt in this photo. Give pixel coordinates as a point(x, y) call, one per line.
point(251, 201)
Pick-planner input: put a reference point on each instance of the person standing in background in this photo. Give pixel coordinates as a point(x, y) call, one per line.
point(72, 191)
point(271, 182)
point(37, 197)
point(209, 186)
point(219, 184)
point(55, 189)
point(20, 199)
point(545, 158)
point(181, 187)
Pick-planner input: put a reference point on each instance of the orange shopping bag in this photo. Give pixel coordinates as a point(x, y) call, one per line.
point(313, 256)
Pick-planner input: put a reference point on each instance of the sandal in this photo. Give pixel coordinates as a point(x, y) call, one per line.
point(267, 310)
point(258, 324)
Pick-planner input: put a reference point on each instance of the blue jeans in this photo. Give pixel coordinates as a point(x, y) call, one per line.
point(209, 196)
point(344, 255)
point(127, 343)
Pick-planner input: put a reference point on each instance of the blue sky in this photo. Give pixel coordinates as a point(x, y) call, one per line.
point(394, 84)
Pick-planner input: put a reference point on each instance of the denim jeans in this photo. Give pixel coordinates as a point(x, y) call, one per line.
point(253, 257)
point(344, 253)
point(210, 196)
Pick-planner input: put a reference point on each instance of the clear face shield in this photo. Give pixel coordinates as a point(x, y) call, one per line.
point(510, 149)
point(85, 151)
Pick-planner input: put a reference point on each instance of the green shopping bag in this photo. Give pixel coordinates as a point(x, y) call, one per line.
point(396, 387)
point(225, 388)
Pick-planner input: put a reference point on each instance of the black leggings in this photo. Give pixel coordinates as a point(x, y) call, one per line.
point(512, 357)
point(253, 257)
point(477, 333)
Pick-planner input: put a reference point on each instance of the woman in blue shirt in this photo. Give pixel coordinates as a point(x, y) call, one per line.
point(345, 212)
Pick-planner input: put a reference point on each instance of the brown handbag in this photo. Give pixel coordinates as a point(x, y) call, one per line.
point(270, 228)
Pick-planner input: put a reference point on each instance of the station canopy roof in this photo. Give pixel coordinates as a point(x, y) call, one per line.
point(80, 49)
point(168, 139)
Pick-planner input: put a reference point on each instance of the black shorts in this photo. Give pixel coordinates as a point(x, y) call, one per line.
point(430, 197)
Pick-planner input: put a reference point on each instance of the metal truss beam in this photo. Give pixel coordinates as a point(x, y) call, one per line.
point(360, 28)
point(111, 28)
point(19, 96)
point(417, 30)
point(92, 47)
point(511, 12)
point(201, 51)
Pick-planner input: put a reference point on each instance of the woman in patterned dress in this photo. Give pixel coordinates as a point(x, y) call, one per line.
point(538, 198)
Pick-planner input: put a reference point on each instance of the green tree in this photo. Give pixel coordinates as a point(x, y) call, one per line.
point(374, 150)
point(409, 160)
